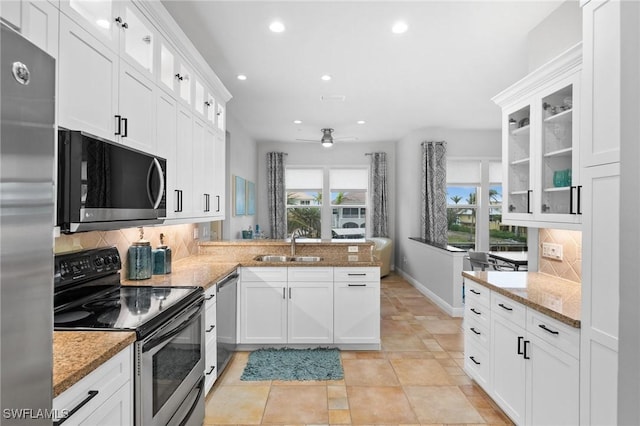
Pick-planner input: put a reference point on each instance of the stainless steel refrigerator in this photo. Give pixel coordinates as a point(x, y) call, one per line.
point(27, 138)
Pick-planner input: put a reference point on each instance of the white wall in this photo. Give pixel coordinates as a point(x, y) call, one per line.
point(242, 160)
point(558, 32)
point(461, 143)
point(313, 154)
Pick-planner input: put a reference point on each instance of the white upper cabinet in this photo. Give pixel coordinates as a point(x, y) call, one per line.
point(540, 141)
point(137, 38)
point(36, 20)
point(96, 16)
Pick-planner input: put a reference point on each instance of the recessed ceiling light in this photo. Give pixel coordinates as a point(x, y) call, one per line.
point(297, 122)
point(277, 27)
point(361, 122)
point(242, 77)
point(399, 27)
point(326, 77)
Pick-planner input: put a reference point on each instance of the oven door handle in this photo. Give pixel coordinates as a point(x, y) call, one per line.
point(163, 336)
point(195, 404)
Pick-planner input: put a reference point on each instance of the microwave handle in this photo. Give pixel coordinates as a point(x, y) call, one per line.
point(155, 164)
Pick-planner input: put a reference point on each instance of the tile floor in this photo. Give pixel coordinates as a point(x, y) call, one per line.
point(417, 378)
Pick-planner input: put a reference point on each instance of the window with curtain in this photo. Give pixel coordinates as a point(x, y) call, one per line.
point(304, 189)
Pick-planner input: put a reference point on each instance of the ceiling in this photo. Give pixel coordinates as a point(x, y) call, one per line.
point(442, 72)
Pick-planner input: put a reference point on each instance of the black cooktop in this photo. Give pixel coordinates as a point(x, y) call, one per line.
point(88, 296)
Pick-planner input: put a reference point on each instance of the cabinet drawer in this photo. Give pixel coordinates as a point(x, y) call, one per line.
point(356, 274)
point(256, 273)
point(477, 333)
point(311, 273)
point(210, 296)
point(557, 334)
point(106, 380)
point(509, 309)
point(477, 293)
point(476, 364)
point(478, 313)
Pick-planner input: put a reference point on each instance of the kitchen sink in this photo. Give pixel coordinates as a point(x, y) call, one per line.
point(280, 258)
point(272, 258)
point(306, 259)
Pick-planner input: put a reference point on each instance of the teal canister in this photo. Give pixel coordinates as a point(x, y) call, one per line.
point(162, 258)
point(140, 260)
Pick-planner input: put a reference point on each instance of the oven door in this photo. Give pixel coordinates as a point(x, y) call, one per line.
point(169, 371)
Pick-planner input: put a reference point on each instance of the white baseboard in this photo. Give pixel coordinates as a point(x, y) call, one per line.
point(454, 312)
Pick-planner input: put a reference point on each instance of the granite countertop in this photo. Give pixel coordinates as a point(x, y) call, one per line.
point(78, 353)
point(553, 296)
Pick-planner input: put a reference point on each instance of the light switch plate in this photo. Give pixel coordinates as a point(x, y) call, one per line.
point(552, 251)
point(353, 249)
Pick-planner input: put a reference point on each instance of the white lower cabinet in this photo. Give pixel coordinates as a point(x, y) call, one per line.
point(210, 338)
point(309, 305)
point(525, 360)
point(104, 397)
point(356, 309)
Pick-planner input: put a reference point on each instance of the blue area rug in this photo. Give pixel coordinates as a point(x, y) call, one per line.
point(293, 364)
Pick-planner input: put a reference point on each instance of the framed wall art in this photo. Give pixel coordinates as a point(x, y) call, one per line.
point(239, 196)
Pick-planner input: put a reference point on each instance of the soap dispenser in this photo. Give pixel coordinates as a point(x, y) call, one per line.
point(139, 259)
point(162, 258)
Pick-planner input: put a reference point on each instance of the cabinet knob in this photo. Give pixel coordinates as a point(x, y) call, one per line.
point(179, 77)
point(147, 39)
point(208, 104)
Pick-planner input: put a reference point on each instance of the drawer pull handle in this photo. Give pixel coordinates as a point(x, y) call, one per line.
point(356, 275)
point(475, 331)
point(526, 345)
point(474, 360)
point(208, 373)
point(90, 395)
point(210, 297)
point(474, 292)
point(356, 285)
point(506, 308)
point(475, 312)
point(544, 327)
point(520, 339)
point(210, 329)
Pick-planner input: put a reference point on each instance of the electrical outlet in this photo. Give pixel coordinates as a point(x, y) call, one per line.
point(552, 251)
point(353, 249)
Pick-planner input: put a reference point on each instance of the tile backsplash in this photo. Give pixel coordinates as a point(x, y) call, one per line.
point(178, 237)
point(570, 267)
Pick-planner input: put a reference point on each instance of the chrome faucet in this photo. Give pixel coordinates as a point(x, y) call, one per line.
point(294, 234)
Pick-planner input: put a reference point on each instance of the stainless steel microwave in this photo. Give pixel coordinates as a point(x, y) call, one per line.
point(105, 185)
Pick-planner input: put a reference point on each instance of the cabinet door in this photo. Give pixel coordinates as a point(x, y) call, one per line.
point(117, 410)
point(310, 312)
point(357, 312)
point(137, 39)
point(183, 191)
point(185, 81)
point(137, 109)
point(199, 165)
point(87, 82)
point(517, 154)
point(558, 155)
point(166, 114)
point(553, 382)
point(40, 25)
point(601, 77)
point(508, 368)
point(99, 18)
point(167, 70)
point(600, 295)
point(219, 178)
point(263, 312)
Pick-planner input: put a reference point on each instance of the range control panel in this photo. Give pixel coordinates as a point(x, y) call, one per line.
point(86, 264)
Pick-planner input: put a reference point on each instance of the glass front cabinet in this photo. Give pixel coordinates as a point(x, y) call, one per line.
point(540, 142)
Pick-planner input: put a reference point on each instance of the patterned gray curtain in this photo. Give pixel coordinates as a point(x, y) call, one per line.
point(276, 197)
point(434, 192)
point(378, 177)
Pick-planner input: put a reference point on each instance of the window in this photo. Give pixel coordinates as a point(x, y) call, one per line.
point(304, 202)
point(474, 208)
point(344, 217)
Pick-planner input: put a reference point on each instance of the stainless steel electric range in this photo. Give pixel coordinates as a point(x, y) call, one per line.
point(168, 322)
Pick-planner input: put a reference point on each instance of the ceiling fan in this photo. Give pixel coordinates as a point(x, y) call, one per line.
point(327, 138)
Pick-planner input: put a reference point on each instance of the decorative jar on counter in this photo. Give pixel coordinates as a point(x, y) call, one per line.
point(139, 259)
